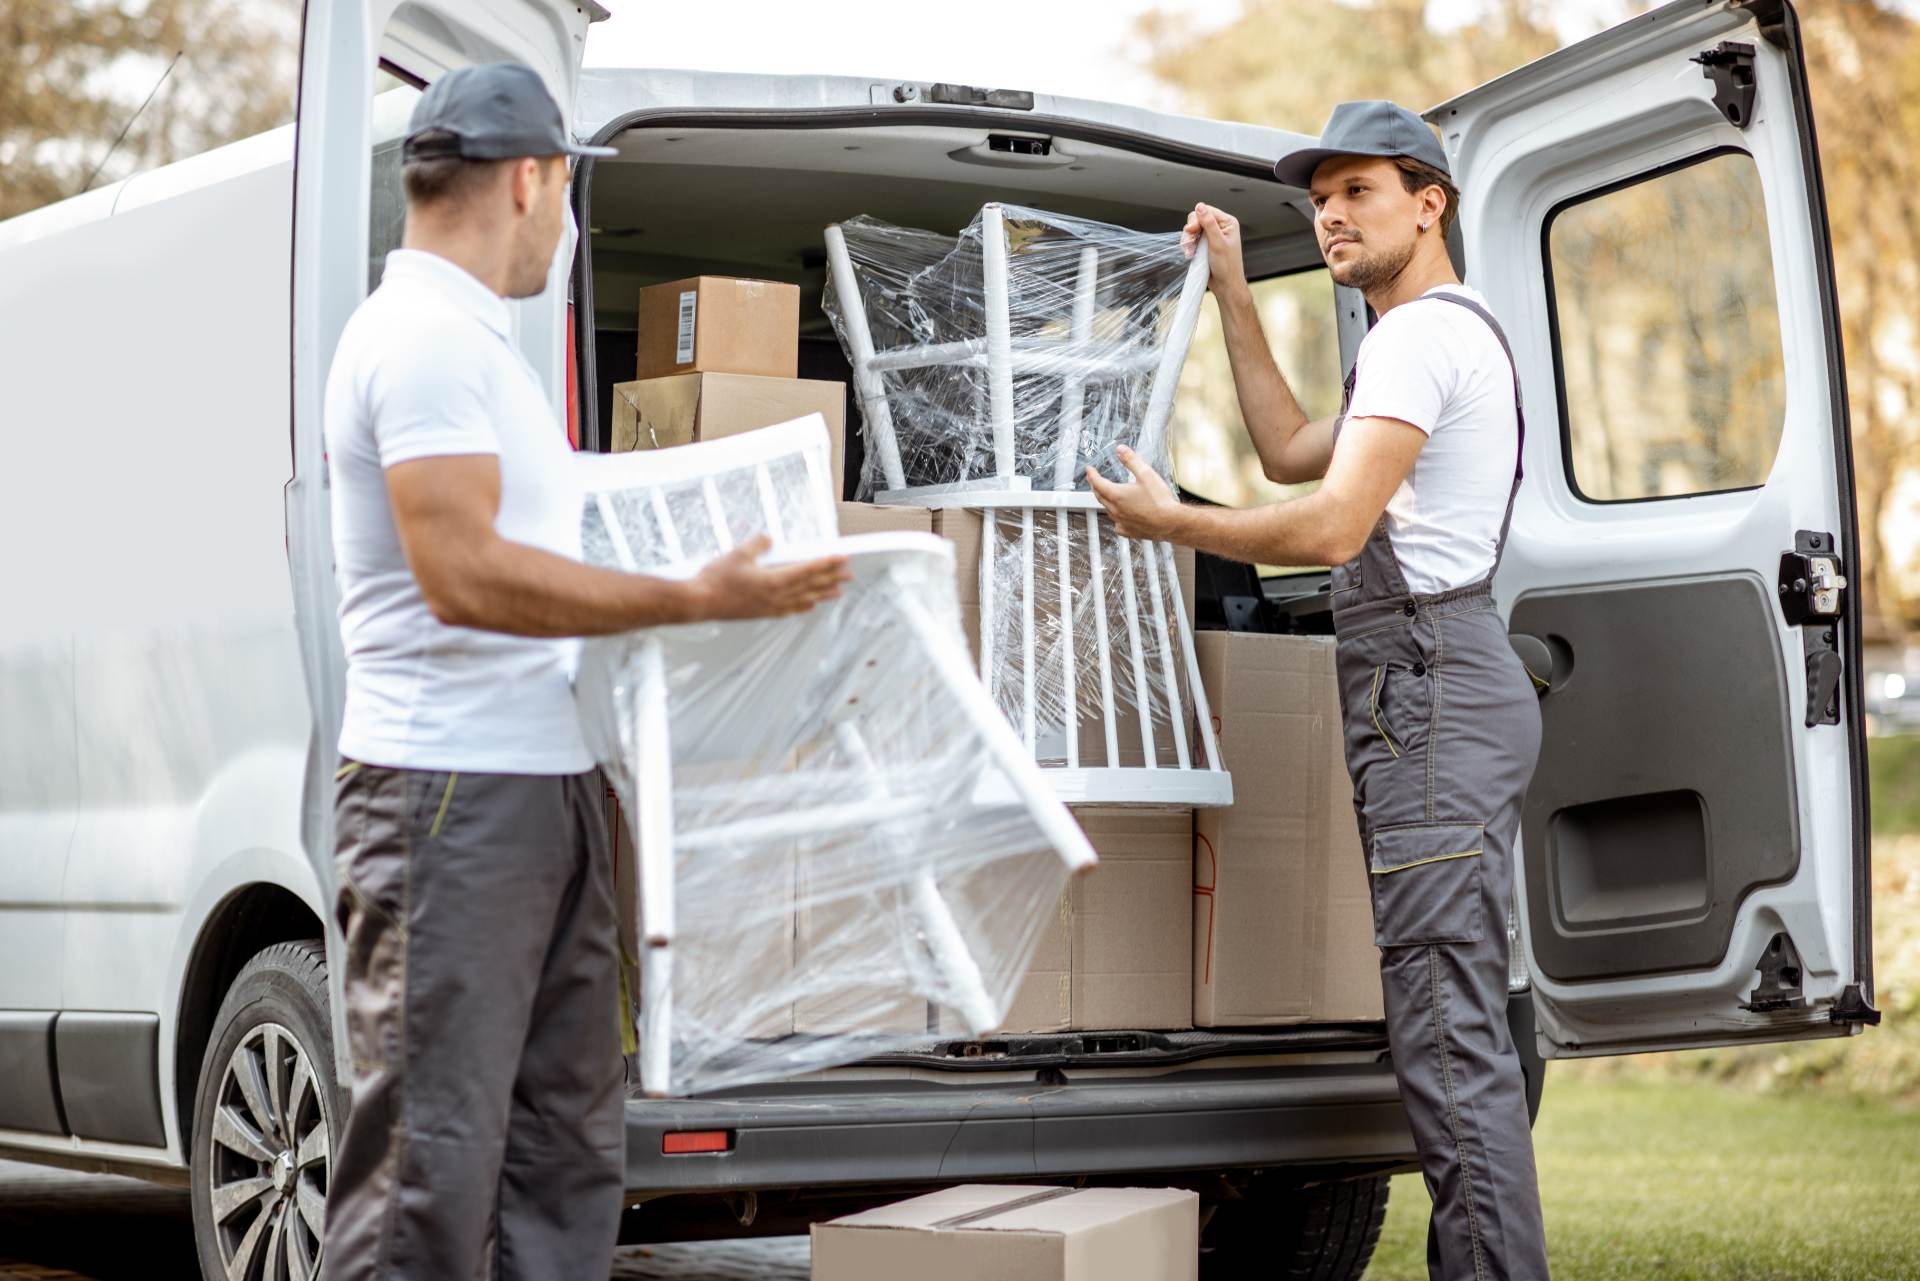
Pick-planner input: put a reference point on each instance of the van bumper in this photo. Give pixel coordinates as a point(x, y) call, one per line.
point(827, 1134)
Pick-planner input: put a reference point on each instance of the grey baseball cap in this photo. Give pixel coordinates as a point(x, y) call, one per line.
point(497, 111)
point(1372, 127)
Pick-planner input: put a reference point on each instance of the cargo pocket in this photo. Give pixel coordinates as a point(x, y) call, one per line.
point(1426, 884)
point(1399, 704)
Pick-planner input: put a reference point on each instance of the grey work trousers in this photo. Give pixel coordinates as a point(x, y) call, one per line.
point(1442, 730)
point(482, 1010)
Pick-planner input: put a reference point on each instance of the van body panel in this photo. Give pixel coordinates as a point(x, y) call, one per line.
point(1687, 825)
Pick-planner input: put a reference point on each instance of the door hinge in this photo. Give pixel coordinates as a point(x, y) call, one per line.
point(1729, 65)
point(1779, 988)
point(973, 96)
point(1812, 597)
point(1852, 1007)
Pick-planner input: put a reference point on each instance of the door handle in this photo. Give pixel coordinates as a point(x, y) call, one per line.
point(1823, 682)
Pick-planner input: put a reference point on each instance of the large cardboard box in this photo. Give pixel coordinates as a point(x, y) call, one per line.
point(1118, 953)
point(718, 325)
point(866, 518)
point(1017, 1233)
point(658, 413)
point(1282, 926)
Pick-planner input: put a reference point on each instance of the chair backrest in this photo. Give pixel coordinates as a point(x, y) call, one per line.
point(669, 511)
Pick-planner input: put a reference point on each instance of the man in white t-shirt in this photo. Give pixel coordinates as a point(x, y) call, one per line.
point(483, 974)
point(1418, 476)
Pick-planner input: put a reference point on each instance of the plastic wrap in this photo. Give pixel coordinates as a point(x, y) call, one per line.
point(992, 369)
point(1030, 360)
point(856, 834)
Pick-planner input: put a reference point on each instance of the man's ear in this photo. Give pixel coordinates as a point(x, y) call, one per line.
point(526, 184)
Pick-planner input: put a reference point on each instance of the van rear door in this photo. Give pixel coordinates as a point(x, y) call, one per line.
point(347, 45)
point(1645, 211)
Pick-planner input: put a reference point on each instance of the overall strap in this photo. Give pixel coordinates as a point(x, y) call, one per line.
point(1519, 413)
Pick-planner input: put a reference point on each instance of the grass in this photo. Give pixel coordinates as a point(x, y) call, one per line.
point(1893, 768)
point(1692, 1181)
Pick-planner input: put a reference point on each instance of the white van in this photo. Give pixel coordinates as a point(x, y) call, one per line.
point(1645, 211)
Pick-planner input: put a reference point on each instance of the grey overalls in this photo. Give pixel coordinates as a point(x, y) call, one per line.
point(1442, 729)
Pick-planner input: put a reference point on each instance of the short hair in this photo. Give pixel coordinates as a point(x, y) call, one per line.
point(444, 180)
point(1416, 176)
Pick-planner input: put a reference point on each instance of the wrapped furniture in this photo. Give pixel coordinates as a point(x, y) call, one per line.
point(821, 803)
point(991, 370)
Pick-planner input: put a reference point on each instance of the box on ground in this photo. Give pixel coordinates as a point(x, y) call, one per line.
point(1017, 1233)
point(658, 413)
point(1282, 925)
point(1119, 952)
point(718, 325)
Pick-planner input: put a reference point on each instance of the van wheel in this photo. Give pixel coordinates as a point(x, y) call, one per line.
point(1326, 1232)
point(266, 1120)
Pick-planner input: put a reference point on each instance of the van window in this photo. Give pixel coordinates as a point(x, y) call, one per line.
point(393, 101)
point(1666, 333)
point(1211, 453)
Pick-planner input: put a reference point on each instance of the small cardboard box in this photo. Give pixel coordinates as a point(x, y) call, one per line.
point(1282, 924)
point(1017, 1233)
point(718, 325)
point(1119, 952)
point(658, 413)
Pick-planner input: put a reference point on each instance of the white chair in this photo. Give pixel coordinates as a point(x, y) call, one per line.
point(854, 737)
point(1040, 664)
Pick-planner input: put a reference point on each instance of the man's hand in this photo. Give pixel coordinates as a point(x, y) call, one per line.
point(737, 585)
point(1225, 267)
point(1144, 509)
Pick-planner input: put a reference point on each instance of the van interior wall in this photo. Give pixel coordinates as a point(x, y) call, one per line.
point(755, 202)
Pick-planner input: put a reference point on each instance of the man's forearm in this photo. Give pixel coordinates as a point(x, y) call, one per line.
point(510, 587)
point(1267, 403)
point(1304, 531)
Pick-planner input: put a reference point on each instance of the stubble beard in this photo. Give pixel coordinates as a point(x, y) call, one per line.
point(1370, 271)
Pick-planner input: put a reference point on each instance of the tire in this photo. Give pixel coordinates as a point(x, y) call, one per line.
point(1282, 1232)
point(266, 1121)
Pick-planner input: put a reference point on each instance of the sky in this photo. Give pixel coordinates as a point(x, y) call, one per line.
point(1076, 48)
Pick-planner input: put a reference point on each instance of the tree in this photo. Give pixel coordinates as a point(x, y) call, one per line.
point(1864, 66)
point(73, 74)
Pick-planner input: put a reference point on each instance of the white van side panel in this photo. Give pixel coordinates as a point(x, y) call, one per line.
point(141, 507)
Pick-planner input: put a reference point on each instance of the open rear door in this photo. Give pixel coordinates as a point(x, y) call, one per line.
point(1644, 210)
point(346, 167)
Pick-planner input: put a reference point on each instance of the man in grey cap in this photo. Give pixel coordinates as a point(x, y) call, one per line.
point(1418, 474)
point(485, 1012)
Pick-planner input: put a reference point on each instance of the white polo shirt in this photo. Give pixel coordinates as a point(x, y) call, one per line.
point(427, 366)
point(1439, 367)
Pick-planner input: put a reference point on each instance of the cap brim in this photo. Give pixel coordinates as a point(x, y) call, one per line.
point(1296, 168)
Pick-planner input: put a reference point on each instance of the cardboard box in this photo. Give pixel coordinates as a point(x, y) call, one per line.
point(718, 325)
point(1282, 925)
point(1017, 1233)
point(1119, 952)
point(848, 1007)
point(658, 413)
point(865, 518)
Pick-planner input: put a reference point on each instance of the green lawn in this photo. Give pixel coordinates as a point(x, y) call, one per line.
point(1692, 1181)
point(1893, 769)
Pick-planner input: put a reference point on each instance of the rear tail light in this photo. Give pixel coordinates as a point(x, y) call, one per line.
point(688, 1142)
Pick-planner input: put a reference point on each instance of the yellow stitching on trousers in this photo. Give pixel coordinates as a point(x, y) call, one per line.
point(345, 770)
point(1373, 709)
point(446, 799)
point(1419, 862)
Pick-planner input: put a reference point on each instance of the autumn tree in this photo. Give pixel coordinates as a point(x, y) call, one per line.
point(74, 74)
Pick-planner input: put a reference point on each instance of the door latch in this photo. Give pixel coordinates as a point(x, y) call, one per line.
point(1812, 597)
point(1779, 986)
point(1729, 65)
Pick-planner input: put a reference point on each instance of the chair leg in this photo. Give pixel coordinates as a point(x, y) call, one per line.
point(652, 755)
